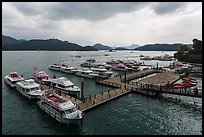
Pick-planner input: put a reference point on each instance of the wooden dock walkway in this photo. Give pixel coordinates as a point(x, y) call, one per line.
point(93, 102)
point(161, 79)
point(119, 80)
point(150, 86)
point(101, 99)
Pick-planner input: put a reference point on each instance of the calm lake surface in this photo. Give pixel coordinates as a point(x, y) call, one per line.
point(131, 114)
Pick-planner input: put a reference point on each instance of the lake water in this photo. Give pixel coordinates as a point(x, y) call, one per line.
point(131, 114)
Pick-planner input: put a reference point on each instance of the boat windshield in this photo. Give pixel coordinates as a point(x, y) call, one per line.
point(14, 75)
point(70, 86)
point(70, 110)
point(33, 89)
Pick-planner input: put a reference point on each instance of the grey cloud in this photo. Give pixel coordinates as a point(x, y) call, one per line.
point(78, 10)
point(168, 7)
point(88, 10)
point(27, 8)
point(93, 10)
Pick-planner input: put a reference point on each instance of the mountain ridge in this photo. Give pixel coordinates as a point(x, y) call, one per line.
point(9, 43)
point(52, 44)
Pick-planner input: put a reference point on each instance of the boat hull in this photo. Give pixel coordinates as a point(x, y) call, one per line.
point(34, 97)
point(13, 85)
point(56, 115)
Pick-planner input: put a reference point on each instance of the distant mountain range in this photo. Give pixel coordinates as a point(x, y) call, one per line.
point(161, 47)
point(104, 47)
point(133, 46)
point(9, 43)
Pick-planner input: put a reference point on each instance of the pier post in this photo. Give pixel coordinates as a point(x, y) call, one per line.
point(125, 76)
point(82, 89)
point(157, 67)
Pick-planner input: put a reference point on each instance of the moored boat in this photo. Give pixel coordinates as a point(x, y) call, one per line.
point(68, 69)
point(29, 88)
point(87, 64)
point(12, 79)
point(61, 109)
point(64, 84)
point(119, 67)
point(40, 75)
point(54, 67)
point(146, 58)
point(85, 72)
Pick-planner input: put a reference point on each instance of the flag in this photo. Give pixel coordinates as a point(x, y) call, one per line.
point(35, 68)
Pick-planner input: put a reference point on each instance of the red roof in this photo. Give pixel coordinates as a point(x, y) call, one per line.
point(54, 99)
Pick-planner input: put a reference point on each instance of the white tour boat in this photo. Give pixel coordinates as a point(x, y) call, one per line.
point(12, 79)
point(61, 109)
point(55, 67)
point(68, 69)
point(86, 72)
point(64, 84)
point(29, 88)
point(100, 70)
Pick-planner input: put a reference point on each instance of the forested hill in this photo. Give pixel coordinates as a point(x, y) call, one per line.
point(9, 43)
point(161, 47)
point(101, 47)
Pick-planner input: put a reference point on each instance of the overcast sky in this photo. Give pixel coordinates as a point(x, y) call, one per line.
point(109, 23)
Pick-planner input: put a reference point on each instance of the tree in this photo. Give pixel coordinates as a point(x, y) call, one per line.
point(190, 55)
point(197, 44)
point(184, 48)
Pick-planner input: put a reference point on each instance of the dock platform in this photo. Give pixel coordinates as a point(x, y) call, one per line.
point(150, 86)
point(93, 102)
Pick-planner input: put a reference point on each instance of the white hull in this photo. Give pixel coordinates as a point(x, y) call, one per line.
point(68, 91)
point(83, 75)
point(56, 115)
point(67, 71)
point(52, 68)
point(27, 95)
point(9, 83)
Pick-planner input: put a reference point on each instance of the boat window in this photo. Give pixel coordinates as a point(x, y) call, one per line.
point(63, 112)
point(13, 82)
point(68, 86)
point(73, 109)
point(33, 89)
point(69, 111)
point(48, 106)
point(37, 88)
point(61, 86)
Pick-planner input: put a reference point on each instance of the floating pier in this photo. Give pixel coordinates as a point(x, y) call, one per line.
point(150, 86)
point(92, 102)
